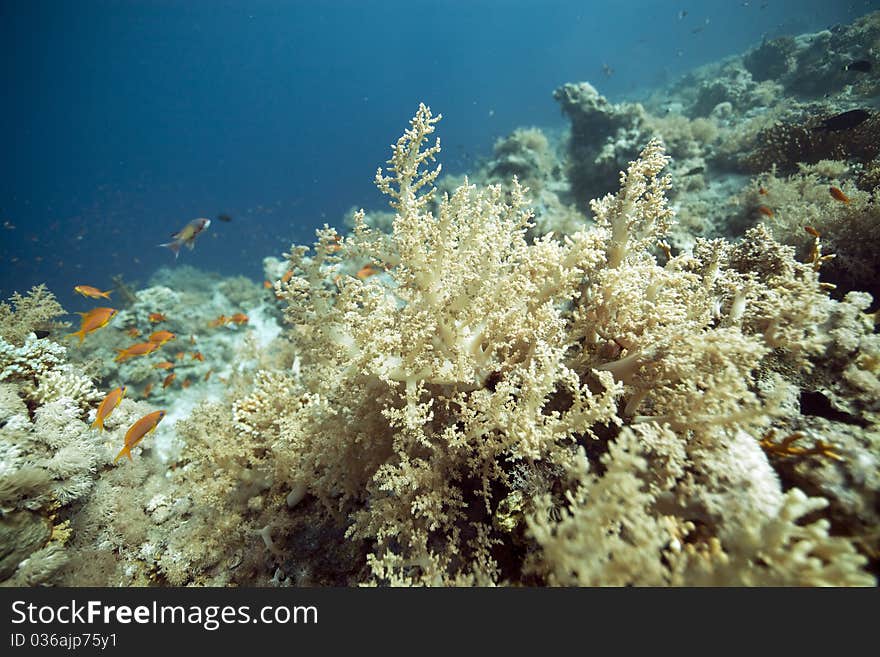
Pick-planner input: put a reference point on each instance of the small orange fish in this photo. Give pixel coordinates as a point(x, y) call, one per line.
point(763, 209)
point(140, 349)
point(133, 332)
point(91, 292)
point(148, 389)
point(186, 384)
point(812, 231)
point(161, 337)
point(138, 430)
point(164, 365)
point(762, 191)
point(93, 320)
point(287, 276)
point(111, 401)
point(208, 374)
point(197, 356)
point(334, 245)
point(838, 194)
point(168, 380)
point(267, 285)
point(179, 355)
point(366, 271)
point(239, 318)
point(220, 321)
point(155, 318)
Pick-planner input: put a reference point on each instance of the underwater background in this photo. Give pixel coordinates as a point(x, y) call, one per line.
point(612, 321)
point(125, 120)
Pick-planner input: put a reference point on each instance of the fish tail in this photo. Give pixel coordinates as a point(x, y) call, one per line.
point(98, 423)
point(81, 334)
point(121, 356)
point(126, 451)
point(174, 246)
point(106, 294)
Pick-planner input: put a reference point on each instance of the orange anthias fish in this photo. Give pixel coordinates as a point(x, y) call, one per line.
point(91, 292)
point(186, 236)
point(763, 209)
point(155, 318)
point(133, 332)
point(838, 194)
point(366, 271)
point(161, 337)
point(239, 318)
point(140, 349)
point(197, 356)
point(179, 355)
point(334, 245)
point(93, 320)
point(111, 401)
point(164, 365)
point(220, 321)
point(148, 389)
point(168, 380)
point(137, 431)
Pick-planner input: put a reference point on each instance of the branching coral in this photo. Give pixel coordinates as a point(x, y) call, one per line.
point(779, 550)
point(25, 314)
point(637, 215)
point(468, 387)
point(434, 381)
point(626, 527)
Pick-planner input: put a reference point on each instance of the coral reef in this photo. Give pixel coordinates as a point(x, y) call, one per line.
point(604, 136)
point(806, 214)
point(204, 351)
point(561, 411)
point(560, 370)
point(50, 458)
point(731, 89)
point(25, 314)
point(810, 65)
point(799, 138)
point(68, 514)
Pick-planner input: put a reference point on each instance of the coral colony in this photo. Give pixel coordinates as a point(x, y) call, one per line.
point(515, 378)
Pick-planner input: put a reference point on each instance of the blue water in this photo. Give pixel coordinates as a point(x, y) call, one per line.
point(121, 121)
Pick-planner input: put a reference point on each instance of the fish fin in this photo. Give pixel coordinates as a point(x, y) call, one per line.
point(81, 334)
point(106, 294)
point(191, 245)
